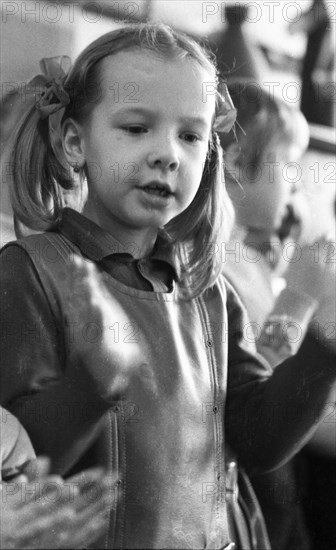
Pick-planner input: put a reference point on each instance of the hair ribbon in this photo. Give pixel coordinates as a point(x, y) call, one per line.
point(226, 113)
point(53, 95)
point(51, 98)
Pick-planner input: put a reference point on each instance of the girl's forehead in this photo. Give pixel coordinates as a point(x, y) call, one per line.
point(142, 58)
point(133, 75)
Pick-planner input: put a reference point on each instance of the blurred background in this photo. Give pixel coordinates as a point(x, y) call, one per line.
point(286, 46)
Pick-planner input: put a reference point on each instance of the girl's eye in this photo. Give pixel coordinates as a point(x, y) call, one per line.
point(191, 138)
point(135, 129)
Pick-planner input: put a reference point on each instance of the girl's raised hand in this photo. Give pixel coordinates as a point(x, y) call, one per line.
point(96, 317)
point(312, 269)
point(314, 274)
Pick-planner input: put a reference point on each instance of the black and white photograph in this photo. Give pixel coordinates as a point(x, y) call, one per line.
point(168, 274)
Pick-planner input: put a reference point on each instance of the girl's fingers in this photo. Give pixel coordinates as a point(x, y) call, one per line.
point(61, 514)
point(65, 528)
point(69, 499)
point(92, 474)
point(89, 532)
point(94, 486)
point(37, 469)
point(46, 492)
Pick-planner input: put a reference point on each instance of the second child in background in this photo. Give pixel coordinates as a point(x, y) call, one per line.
point(270, 212)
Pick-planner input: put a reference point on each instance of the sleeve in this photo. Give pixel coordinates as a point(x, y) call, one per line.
point(284, 329)
point(31, 351)
point(271, 415)
point(56, 408)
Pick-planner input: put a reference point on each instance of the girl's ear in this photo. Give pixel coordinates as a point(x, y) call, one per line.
point(73, 143)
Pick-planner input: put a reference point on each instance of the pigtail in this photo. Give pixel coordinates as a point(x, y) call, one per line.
point(34, 193)
point(205, 226)
point(40, 174)
point(200, 231)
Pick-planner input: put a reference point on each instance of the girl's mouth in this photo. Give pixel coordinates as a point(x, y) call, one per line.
point(158, 189)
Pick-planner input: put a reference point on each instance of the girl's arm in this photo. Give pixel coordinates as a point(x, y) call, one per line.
point(271, 415)
point(308, 298)
point(310, 287)
point(58, 408)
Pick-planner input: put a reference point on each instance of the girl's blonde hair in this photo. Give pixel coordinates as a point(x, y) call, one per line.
point(41, 175)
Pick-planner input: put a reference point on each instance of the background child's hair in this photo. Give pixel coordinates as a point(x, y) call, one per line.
point(263, 120)
point(40, 173)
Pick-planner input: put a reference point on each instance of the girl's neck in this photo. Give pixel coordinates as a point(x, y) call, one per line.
point(142, 240)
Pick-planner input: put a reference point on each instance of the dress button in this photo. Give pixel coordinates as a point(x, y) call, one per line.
point(209, 343)
point(215, 409)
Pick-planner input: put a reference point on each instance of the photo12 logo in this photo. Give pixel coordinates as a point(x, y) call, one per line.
point(69, 12)
point(289, 12)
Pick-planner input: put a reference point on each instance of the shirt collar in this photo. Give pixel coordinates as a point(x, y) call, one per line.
point(97, 244)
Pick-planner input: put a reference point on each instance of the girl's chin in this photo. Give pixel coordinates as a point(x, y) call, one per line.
point(152, 221)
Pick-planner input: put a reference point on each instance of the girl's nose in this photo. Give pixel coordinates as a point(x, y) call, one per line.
point(164, 155)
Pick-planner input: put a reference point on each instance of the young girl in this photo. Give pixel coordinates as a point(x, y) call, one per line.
point(117, 326)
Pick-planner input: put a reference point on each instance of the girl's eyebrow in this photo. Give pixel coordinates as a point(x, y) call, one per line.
point(125, 109)
point(200, 121)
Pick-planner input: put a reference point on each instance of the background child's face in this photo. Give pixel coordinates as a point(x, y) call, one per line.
point(271, 189)
point(145, 143)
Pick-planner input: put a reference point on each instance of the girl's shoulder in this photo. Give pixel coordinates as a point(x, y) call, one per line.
point(218, 296)
point(47, 259)
point(220, 291)
point(40, 248)
point(234, 303)
point(224, 287)
point(33, 242)
point(43, 265)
